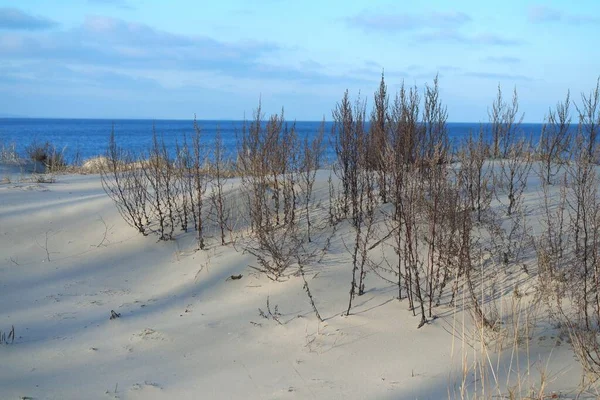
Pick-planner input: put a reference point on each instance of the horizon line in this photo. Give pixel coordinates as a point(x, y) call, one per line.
point(212, 120)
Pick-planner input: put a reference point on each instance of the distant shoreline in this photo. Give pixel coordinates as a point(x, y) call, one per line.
point(210, 120)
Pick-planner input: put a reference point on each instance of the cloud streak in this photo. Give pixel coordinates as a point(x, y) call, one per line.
point(454, 36)
point(407, 22)
point(123, 4)
point(498, 76)
point(111, 41)
point(438, 27)
point(15, 19)
point(501, 60)
point(115, 44)
point(543, 14)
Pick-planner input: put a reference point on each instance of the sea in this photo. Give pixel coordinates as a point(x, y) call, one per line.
point(88, 138)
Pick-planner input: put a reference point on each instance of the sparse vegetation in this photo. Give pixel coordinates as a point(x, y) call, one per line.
point(8, 339)
point(449, 214)
point(48, 155)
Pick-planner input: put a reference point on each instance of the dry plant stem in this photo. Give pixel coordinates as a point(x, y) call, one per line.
point(311, 159)
point(309, 294)
point(11, 336)
point(200, 183)
point(45, 245)
point(104, 234)
point(153, 173)
point(271, 314)
point(217, 196)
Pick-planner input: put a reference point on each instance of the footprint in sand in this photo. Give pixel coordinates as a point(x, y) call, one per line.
point(148, 334)
point(144, 390)
point(64, 315)
point(115, 292)
point(146, 384)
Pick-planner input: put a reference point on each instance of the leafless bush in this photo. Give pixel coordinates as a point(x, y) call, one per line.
point(309, 164)
point(8, 153)
point(252, 162)
point(158, 193)
point(433, 140)
point(349, 130)
point(160, 176)
point(435, 236)
point(403, 127)
point(412, 232)
point(48, 155)
point(363, 224)
point(475, 174)
point(444, 208)
point(508, 227)
point(555, 139)
point(200, 181)
point(379, 128)
point(275, 183)
point(185, 205)
point(43, 178)
point(505, 122)
point(335, 203)
point(77, 161)
point(217, 195)
point(552, 244)
point(268, 163)
point(125, 183)
point(581, 313)
point(423, 225)
point(569, 249)
point(276, 247)
point(589, 122)
point(359, 160)
point(406, 126)
point(439, 193)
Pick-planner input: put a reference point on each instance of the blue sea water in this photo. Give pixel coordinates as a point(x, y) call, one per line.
point(89, 137)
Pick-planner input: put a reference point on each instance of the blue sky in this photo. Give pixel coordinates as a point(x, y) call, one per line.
point(171, 59)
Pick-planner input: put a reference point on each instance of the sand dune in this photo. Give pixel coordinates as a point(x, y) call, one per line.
point(186, 332)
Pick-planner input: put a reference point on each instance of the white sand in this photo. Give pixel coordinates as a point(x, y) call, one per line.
point(19, 169)
point(189, 335)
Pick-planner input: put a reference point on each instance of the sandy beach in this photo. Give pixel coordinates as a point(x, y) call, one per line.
point(187, 330)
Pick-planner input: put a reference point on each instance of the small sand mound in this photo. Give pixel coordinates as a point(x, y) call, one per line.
point(148, 334)
point(94, 165)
